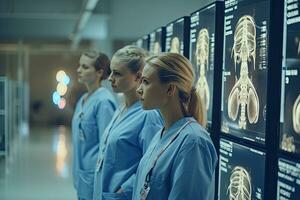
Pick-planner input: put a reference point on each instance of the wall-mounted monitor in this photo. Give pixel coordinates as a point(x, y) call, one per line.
point(143, 42)
point(290, 104)
point(288, 184)
point(178, 36)
point(245, 65)
point(202, 52)
point(157, 40)
point(241, 172)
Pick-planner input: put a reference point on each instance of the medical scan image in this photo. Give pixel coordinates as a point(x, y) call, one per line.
point(156, 48)
point(240, 184)
point(241, 172)
point(245, 69)
point(296, 115)
point(290, 88)
point(202, 54)
point(175, 45)
point(243, 96)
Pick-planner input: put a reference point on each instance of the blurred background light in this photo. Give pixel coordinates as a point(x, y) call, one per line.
point(62, 103)
point(55, 98)
point(61, 89)
point(60, 75)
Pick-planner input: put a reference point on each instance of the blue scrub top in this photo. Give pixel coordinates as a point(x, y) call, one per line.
point(185, 171)
point(129, 135)
point(88, 124)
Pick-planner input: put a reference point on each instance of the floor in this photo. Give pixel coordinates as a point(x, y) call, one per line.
point(38, 166)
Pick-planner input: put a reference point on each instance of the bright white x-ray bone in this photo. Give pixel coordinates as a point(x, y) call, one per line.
point(175, 45)
point(202, 53)
point(296, 115)
point(288, 143)
point(243, 94)
point(240, 184)
point(156, 48)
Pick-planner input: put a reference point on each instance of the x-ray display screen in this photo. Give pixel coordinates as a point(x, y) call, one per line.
point(288, 184)
point(290, 107)
point(143, 42)
point(241, 172)
point(2, 133)
point(245, 63)
point(2, 95)
point(157, 41)
point(175, 37)
point(202, 52)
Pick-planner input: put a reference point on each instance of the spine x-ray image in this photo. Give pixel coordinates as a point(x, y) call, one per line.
point(245, 64)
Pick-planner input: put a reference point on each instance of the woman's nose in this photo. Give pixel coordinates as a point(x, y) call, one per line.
point(139, 90)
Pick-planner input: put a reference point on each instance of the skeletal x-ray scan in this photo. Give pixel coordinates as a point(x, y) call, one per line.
point(143, 42)
point(241, 172)
point(157, 41)
point(245, 66)
point(290, 107)
point(176, 36)
point(202, 51)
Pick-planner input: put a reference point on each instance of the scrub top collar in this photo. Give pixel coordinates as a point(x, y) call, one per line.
point(174, 127)
point(84, 101)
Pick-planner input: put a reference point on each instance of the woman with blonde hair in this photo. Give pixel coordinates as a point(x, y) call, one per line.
point(129, 133)
point(181, 159)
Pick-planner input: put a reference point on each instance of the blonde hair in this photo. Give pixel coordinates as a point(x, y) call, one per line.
point(175, 68)
point(132, 56)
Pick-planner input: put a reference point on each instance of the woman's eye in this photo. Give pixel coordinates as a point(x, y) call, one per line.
point(144, 81)
point(117, 73)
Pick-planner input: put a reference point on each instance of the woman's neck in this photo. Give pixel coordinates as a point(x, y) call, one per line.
point(130, 98)
point(171, 113)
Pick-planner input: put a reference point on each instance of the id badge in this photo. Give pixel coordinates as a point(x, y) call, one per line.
point(145, 191)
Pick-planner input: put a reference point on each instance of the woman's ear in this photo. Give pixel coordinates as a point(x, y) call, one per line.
point(100, 73)
point(171, 89)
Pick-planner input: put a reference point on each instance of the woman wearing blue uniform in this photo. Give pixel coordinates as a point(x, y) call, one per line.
point(181, 159)
point(93, 112)
point(129, 133)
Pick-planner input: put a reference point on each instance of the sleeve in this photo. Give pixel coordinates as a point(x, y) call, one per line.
point(193, 172)
point(104, 115)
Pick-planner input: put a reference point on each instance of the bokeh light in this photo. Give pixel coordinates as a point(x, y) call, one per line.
point(60, 75)
point(61, 89)
point(62, 103)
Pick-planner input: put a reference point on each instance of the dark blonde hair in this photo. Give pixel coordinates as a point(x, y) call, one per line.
point(132, 56)
point(175, 68)
point(100, 61)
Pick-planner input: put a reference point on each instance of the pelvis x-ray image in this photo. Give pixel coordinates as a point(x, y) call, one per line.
point(296, 115)
point(243, 96)
point(175, 45)
point(202, 53)
point(240, 184)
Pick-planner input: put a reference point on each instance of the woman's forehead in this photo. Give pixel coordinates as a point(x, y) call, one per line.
point(149, 71)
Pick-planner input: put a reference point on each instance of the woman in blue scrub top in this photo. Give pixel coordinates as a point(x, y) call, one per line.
point(93, 112)
point(129, 133)
point(181, 159)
